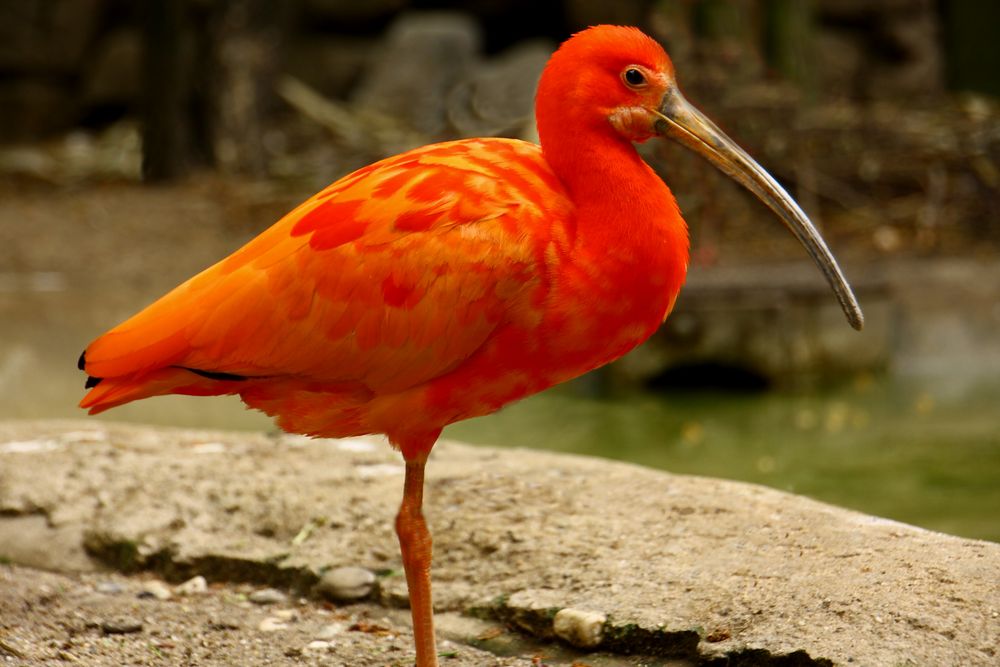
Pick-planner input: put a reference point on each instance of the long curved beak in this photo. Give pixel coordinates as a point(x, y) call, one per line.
point(683, 123)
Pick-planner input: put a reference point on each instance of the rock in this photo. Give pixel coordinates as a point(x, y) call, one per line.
point(193, 586)
point(346, 584)
point(268, 596)
point(155, 589)
point(392, 592)
point(532, 611)
point(317, 646)
point(331, 630)
point(286, 615)
point(498, 97)
point(121, 625)
point(579, 627)
point(706, 568)
point(13, 648)
point(109, 588)
point(424, 55)
point(272, 624)
point(224, 623)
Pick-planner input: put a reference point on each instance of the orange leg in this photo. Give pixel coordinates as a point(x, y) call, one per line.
point(415, 545)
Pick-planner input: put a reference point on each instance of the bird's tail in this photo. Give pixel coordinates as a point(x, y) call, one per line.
point(107, 393)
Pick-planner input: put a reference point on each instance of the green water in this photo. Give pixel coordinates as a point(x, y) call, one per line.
point(893, 449)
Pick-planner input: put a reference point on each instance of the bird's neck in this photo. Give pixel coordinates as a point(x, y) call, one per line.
point(619, 199)
point(607, 173)
point(628, 229)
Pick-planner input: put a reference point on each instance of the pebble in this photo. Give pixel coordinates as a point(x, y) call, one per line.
point(286, 615)
point(272, 624)
point(328, 632)
point(268, 596)
point(193, 586)
point(122, 625)
point(224, 623)
point(345, 584)
point(11, 647)
point(579, 627)
point(109, 588)
point(155, 589)
point(317, 646)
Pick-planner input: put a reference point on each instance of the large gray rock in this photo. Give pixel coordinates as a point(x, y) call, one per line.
point(425, 54)
point(498, 97)
point(681, 566)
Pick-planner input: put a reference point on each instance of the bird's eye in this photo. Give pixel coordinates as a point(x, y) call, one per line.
point(633, 77)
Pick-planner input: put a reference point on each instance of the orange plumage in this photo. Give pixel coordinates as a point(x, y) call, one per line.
point(432, 286)
point(446, 282)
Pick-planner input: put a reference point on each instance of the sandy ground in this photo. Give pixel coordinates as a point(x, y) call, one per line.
point(104, 620)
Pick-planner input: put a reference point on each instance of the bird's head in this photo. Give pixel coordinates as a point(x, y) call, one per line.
point(608, 74)
point(618, 83)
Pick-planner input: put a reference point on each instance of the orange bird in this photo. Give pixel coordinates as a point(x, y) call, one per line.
point(446, 282)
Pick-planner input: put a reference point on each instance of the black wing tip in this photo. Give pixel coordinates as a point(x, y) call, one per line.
point(216, 375)
point(92, 381)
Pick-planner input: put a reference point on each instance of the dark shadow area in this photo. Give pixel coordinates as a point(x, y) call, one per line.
point(709, 376)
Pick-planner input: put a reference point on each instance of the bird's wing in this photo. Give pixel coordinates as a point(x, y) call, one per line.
point(388, 277)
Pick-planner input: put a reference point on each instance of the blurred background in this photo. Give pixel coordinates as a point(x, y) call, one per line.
point(141, 142)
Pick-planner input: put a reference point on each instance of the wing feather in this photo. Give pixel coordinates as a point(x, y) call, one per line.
point(389, 277)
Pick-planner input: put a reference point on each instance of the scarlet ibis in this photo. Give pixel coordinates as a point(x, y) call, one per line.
point(448, 281)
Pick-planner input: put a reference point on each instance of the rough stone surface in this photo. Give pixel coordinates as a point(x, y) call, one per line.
point(690, 568)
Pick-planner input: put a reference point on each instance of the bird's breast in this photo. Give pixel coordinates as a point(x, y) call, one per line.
point(609, 299)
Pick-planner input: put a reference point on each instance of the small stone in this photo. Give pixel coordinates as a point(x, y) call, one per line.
point(328, 632)
point(12, 647)
point(272, 624)
point(122, 625)
point(286, 615)
point(268, 596)
point(345, 584)
point(317, 646)
point(579, 627)
point(224, 623)
point(193, 586)
point(155, 589)
point(109, 588)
